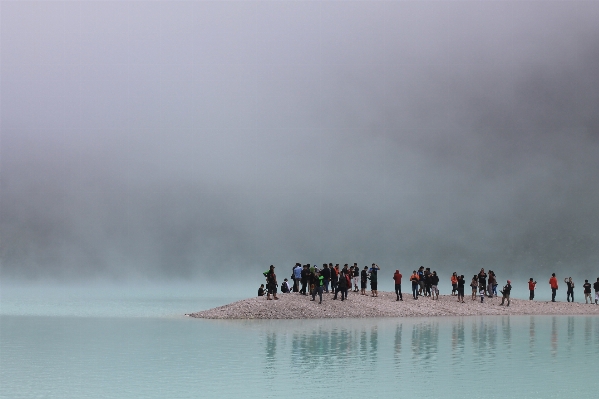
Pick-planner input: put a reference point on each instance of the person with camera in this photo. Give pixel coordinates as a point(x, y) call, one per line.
point(506, 293)
point(570, 292)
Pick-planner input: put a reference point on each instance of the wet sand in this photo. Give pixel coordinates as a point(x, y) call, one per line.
point(296, 306)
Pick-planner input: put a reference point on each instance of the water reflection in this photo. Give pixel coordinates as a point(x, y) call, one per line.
point(531, 337)
point(425, 342)
point(457, 342)
point(553, 336)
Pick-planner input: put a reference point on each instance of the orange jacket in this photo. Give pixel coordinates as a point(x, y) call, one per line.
point(454, 279)
point(553, 282)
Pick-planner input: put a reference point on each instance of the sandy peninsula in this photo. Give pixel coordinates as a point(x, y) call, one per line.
point(296, 306)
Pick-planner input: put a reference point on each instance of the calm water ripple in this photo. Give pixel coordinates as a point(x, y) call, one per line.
point(75, 357)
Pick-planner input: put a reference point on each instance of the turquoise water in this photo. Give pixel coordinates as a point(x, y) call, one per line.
point(100, 355)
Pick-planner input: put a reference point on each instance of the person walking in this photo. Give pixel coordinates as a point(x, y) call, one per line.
point(397, 278)
point(434, 281)
point(570, 292)
point(587, 292)
point(506, 293)
point(414, 279)
point(531, 288)
point(554, 286)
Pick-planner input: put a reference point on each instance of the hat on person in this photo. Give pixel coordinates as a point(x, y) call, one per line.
point(509, 282)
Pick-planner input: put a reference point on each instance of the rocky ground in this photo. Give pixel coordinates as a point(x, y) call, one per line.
point(297, 306)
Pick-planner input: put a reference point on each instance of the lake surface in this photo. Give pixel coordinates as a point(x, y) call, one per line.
point(59, 350)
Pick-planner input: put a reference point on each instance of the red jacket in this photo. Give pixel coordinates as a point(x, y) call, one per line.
point(397, 277)
point(553, 282)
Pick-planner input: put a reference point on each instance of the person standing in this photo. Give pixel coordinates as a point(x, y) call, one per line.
point(397, 278)
point(461, 284)
point(271, 283)
point(414, 279)
point(421, 280)
point(554, 286)
point(596, 287)
point(506, 293)
point(356, 277)
point(492, 282)
point(474, 286)
point(570, 292)
point(364, 280)
point(334, 277)
point(297, 277)
point(454, 284)
point(531, 288)
point(326, 277)
point(341, 286)
point(318, 286)
point(482, 281)
point(587, 292)
point(374, 280)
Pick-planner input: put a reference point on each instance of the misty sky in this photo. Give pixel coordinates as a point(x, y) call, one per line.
point(179, 139)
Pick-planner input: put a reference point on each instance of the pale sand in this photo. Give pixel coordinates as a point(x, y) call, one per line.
point(296, 306)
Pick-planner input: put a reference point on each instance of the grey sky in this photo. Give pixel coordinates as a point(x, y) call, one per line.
point(167, 139)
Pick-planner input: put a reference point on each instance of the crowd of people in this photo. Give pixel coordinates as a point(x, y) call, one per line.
point(338, 281)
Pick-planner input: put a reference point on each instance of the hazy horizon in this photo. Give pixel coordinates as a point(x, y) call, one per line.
point(179, 140)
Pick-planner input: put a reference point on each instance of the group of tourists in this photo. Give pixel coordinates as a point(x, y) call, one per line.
point(314, 281)
point(588, 295)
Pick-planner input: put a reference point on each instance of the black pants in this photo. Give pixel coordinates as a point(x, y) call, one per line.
point(398, 291)
point(304, 283)
point(343, 292)
point(569, 294)
point(553, 293)
point(532, 295)
point(317, 291)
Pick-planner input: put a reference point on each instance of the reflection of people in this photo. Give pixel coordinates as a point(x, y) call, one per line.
point(570, 292)
point(261, 290)
point(506, 293)
point(531, 287)
point(553, 284)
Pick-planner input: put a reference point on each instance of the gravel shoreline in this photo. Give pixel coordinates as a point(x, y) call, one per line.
point(297, 306)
